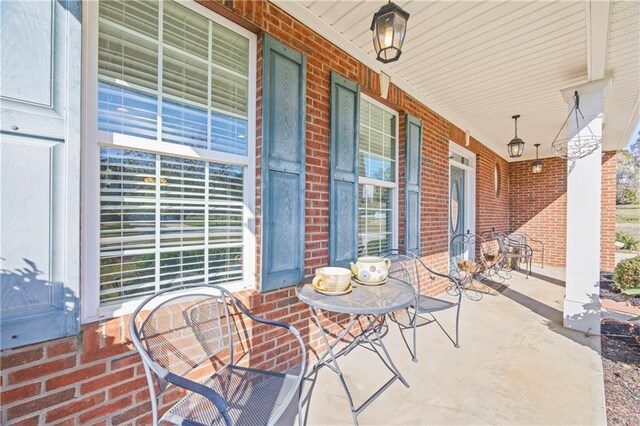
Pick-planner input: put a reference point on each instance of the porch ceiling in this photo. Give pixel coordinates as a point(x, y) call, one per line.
point(479, 63)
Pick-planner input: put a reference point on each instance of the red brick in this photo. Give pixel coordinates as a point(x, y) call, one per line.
point(69, 422)
point(21, 358)
point(125, 361)
point(105, 410)
point(127, 387)
point(36, 405)
point(131, 413)
point(74, 407)
point(42, 369)
point(62, 348)
point(76, 376)
point(31, 421)
point(106, 352)
point(147, 419)
point(142, 395)
point(105, 381)
point(12, 395)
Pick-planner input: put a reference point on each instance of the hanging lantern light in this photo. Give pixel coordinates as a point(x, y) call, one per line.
point(536, 166)
point(580, 145)
point(516, 146)
point(389, 27)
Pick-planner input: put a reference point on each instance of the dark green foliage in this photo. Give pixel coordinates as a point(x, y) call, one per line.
point(629, 241)
point(626, 276)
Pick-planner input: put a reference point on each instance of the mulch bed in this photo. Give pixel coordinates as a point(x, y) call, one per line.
point(621, 366)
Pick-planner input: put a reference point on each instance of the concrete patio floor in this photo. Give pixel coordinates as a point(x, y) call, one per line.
point(516, 365)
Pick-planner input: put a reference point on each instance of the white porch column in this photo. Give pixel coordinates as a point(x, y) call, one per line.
point(582, 296)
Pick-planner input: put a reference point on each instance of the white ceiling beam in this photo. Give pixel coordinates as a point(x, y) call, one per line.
point(598, 17)
point(304, 15)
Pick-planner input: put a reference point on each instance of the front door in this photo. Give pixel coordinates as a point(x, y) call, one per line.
point(456, 212)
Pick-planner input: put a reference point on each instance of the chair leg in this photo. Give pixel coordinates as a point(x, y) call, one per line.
point(300, 415)
point(415, 330)
point(457, 343)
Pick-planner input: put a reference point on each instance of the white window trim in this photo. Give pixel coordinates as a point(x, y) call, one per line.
point(470, 193)
point(393, 185)
point(90, 309)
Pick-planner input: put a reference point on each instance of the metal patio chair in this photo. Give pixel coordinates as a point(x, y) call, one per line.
point(407, 267)
point(514, 251)
point(520, 237)
point(478, 259)
point(183, 336)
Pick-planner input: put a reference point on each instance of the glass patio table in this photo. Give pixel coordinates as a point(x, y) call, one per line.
point(371, 303)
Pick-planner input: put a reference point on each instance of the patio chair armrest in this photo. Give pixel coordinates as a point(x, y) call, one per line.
point(454, 280)
point(511, 241)
point(218, 401)
point(280, 324)
point(263, 320)
point(535, 241)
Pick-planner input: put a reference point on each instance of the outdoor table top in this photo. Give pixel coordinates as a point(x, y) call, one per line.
point(362, 300)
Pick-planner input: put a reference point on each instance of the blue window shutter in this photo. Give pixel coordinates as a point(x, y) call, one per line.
point(343, 186)
point(39, 170)
point(413, 167)
point(283, 164)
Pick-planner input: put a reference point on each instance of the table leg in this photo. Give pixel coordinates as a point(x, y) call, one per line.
point(393, 367)
point(365, 336)
point(334, 363)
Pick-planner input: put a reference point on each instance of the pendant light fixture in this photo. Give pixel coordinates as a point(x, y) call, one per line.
point(582, 143)
point(389, 28)
point(536, 166)
point(516, 146)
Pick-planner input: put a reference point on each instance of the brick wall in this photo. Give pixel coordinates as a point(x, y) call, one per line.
point(538, 206)
point(492, 208)
point(96, 377)
point(608, 224)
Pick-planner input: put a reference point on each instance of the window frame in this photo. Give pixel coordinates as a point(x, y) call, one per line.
point(94, 139)
point(394, 186)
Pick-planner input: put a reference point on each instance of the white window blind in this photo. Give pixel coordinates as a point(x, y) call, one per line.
point(169, 74)
point(167, 221)
point(377, 182)
point(163, 61)
point(377, 142)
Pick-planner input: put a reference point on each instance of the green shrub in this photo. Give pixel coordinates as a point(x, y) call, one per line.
point(629, 241)
point(627, 274)
point(630, 196)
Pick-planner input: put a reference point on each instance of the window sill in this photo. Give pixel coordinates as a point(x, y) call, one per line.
point(126, 308)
